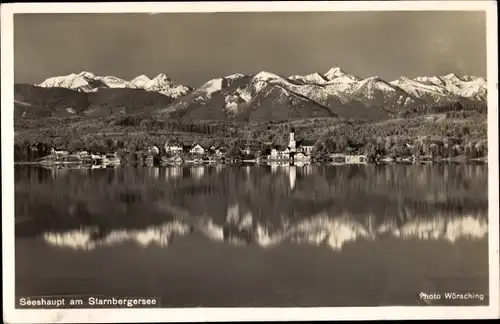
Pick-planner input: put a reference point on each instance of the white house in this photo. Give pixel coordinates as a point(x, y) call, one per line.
point(307, 149)
point(279, 153)
point(111, 158)
point(246, 150)
point(283, 153)
point(197, 149)
point(274, 153)
point(301, 157)
point(355, 159)
point(153, 150)
point(96, 156)
point(59, 151)
point(82, 153)
point(305, 146)
point(173, 146)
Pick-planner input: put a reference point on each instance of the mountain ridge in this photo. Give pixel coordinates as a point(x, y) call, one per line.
point(255, 97)
point(89, 82)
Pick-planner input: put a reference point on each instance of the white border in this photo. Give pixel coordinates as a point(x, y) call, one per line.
point(12, 315)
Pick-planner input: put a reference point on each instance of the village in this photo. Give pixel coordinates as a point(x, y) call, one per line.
point(174, 152)
point(297, 152)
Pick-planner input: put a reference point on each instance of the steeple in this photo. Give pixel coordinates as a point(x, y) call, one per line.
point(291, 143)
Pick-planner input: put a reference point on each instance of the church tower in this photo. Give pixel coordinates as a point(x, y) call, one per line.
point(291, 143)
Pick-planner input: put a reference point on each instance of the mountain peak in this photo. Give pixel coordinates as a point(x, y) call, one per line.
point(162, 77)
point(87, 74)
point(403, 78)
point(90, 82)
point(334, 71)
point(263, 76)
point(234, 76)
point(315, 74)
point(336, 74)
point(450, 76)
point(164, 85)
point(314, 78)
point(140, 80)
point(432, 80)
point(142, 77)
point(374, 79)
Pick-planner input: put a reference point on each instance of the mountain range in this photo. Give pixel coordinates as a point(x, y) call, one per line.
point(89, 82)
point(262, 96)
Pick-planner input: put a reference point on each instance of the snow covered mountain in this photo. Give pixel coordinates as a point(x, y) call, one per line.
point(336, 76)
point(314, 78)
point(260, 97)
point(444, 88)
point(342, 94)
point(84, 81)
point(402, 92)
point(164, 85)
point(140, 81)
point(89, 82)
point(270, 96)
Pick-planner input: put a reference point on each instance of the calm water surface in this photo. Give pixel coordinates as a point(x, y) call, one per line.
point(240, 236)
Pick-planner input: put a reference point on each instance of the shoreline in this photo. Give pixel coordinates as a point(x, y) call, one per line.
point(261, 162)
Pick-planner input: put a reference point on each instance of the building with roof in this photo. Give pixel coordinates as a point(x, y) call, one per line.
point(283, 152)
point(299, 156)
point(153, 150)
point(197, 149)
point(305, 146)
point(222, 150)
point(173, 147)
point(59, 151)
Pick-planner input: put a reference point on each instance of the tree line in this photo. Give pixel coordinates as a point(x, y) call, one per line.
point(460, 108)
point(108, 134)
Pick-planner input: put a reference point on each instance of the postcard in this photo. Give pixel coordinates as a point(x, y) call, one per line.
point(249, 161)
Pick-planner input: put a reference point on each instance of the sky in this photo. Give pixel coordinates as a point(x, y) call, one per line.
point(193, 48)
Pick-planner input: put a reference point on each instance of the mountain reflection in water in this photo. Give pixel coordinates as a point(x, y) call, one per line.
point(314, 204)
point(396, 218)
point(333, 232)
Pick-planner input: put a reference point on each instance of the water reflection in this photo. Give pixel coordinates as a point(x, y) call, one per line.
point(262, 206)
point(91, 238)
point(318, 231)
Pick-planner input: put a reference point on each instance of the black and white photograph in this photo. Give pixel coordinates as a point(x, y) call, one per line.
point(329, 159)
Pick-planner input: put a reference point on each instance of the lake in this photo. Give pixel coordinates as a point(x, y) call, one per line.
point(254, 236)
